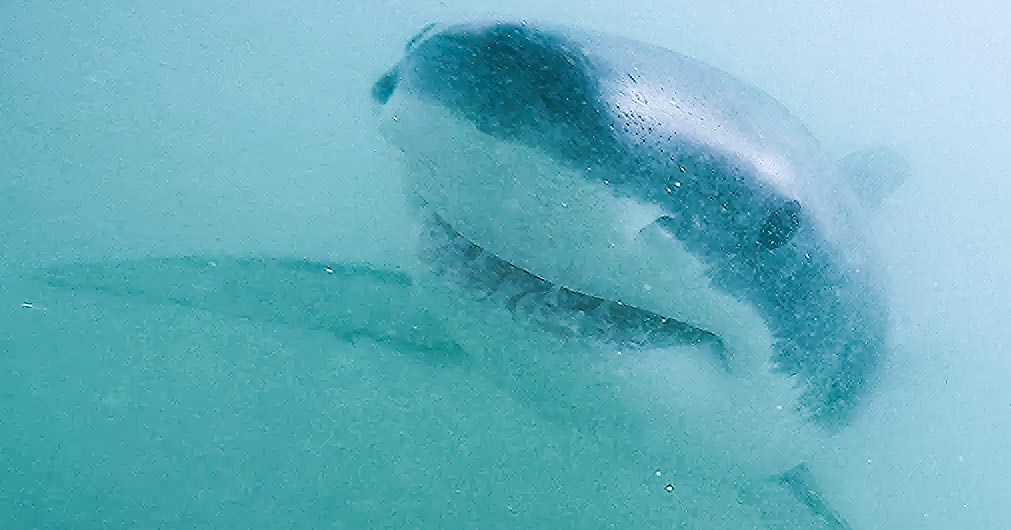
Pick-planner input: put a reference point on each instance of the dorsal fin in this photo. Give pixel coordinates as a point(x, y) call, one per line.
point(874, 173)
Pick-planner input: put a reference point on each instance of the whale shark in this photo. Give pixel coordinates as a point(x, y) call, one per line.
point(620, 198)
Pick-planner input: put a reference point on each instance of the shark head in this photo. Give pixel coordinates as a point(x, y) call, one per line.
point(635, 174)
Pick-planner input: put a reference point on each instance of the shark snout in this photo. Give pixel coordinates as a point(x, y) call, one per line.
point(383, 88)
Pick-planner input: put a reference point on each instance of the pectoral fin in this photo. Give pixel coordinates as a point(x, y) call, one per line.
point(874, 173)
point(799, 481)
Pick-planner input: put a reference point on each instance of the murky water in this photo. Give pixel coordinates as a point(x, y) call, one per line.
point(162, 395)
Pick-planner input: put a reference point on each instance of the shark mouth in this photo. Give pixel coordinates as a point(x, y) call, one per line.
point(556, 308)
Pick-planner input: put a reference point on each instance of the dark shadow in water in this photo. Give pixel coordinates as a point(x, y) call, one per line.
point(351, 301)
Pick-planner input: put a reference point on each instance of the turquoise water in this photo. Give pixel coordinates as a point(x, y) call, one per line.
point(244, 129)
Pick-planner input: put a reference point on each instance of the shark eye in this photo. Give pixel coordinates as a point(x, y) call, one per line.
point(780, 226)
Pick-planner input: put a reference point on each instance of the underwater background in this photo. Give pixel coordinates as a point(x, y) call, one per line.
point(158, 130)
